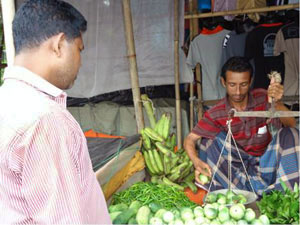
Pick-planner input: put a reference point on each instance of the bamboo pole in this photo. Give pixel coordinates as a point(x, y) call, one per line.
point(8, 13)
point(133, 65)
point(199, 91)
point(176, 73)
point(242, 11)
point(192, 83)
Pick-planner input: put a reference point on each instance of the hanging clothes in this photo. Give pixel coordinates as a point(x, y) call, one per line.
point(204, 5)
point(250, 4)
point(259, 46)
point(227, 5)
point(287, 42)
point(206, 49)
point(234, 45)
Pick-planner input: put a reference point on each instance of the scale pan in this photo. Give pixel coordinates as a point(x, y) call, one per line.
point(250, 196)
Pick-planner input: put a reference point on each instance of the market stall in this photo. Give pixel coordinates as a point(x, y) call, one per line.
point(136, 150)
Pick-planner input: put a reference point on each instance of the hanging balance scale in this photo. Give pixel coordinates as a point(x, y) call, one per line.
point(272, 113)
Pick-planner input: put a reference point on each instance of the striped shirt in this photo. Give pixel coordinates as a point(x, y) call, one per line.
point(250, 133)
point(46, 174)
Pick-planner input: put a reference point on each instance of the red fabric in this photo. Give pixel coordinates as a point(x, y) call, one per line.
point(245, 130)
point(270, 24)
point(91, 133)
point(206, 31)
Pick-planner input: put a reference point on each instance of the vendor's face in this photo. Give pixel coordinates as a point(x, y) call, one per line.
point(237, 86)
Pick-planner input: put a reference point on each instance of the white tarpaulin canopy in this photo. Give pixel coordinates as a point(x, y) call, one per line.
point(104, 61)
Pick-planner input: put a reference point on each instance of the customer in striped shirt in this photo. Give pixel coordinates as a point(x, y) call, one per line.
point(46, 175)
point(267, 158)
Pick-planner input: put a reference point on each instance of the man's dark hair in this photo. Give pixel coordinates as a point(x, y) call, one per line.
point(237, 64)
point(38, 20)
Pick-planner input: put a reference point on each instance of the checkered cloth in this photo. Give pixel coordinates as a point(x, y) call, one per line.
point(280, 161)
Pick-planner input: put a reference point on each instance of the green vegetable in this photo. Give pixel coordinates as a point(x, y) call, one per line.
point(211, 198)
point(224, 215)
point(149, 109)
point(166, 196)
point(257, 222)
point(117, 207)
point(237, 211)
point(124, 217)
point(142, 216)
point(242, 222)
point(210, 212)
point(200, 219)
point(281, 207)
point(176, 213)
point(168, 217)
point(264, 219)
point(113, 215)
point(198, 211)
point(156, 221)
point(203, 178)
point(132, 221)
point(154, 207)
point(190, 222)
point(249, 215)
point(178, 222)
point(160, 213)
point(186, 214)
point(135, 205)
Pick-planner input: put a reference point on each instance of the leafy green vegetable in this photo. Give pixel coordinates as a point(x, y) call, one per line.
point(166, 196)
point(281, 207)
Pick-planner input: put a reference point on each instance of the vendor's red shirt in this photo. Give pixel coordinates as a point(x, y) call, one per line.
point(250, 133)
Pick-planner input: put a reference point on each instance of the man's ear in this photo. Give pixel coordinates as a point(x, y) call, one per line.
point(57, 44)
point(223, 82)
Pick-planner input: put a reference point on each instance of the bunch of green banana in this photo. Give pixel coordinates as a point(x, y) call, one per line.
point(163, 164)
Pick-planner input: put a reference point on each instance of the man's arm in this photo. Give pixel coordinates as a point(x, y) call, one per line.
point(286, 121)
point(190, 148)
point(275, 91)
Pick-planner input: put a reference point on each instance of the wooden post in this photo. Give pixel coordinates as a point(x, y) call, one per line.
point(243, 11)
point(176, 73)
point(133, 65)
point(199, 91)
point(8, 13)
point(198, 67)
point(192, 83)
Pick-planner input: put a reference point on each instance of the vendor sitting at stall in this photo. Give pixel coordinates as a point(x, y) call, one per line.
point(266, 158)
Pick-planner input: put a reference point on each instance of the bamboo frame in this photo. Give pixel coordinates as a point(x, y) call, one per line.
point(133, 65)
point(176, 73)
point(192, 83)
point(242, 11)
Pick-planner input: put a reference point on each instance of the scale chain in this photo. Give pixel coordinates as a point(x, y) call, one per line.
point(216, 166)
point(228, 140)
point(238, 151)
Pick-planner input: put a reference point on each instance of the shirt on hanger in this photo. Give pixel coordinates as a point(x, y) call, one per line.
point(233, 45)
point(206, 49)
point(227, 5)
point(259, 46)
point(287, 42)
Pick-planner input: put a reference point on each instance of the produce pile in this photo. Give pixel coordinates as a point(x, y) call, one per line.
point(281, 207)
point(147, 193)
point(160, 204)
point(162, 163)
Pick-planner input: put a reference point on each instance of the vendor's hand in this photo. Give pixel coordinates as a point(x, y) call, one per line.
point(275, 91)
point(201, 167)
